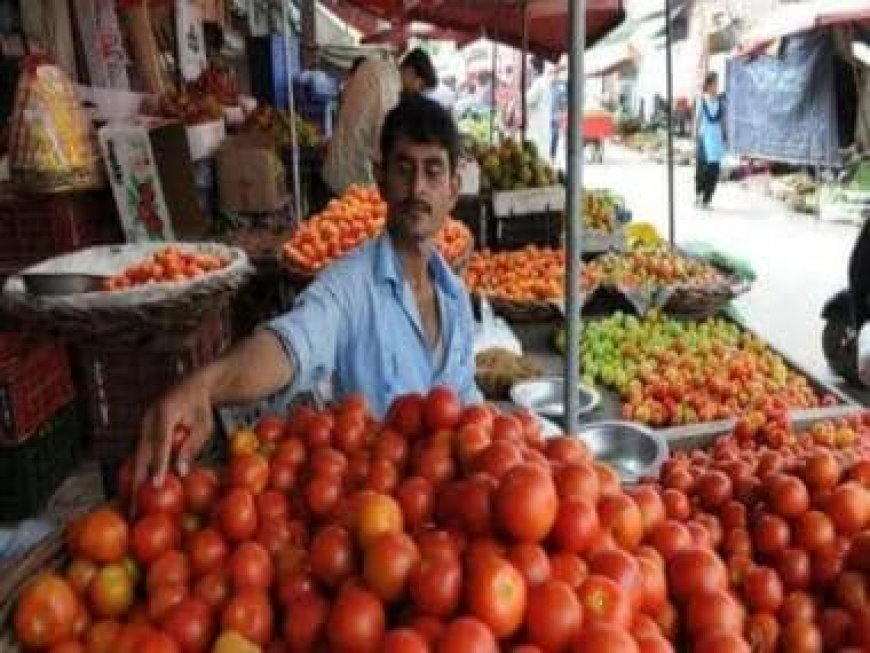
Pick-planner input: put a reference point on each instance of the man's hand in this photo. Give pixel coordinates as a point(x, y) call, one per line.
point(180, 424)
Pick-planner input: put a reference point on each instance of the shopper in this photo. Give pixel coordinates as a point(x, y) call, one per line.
point(418, 73)
point(710, 140)
point(559, 104)
point(539, 108)
point(389, 319)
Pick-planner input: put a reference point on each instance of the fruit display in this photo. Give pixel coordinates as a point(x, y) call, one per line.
point(202, 100)
point(498, 369)
point(526, 275)
point(650, 268)
point(670, 372)
point(269, 120)
point(600, 211)
point(219, 82)
point(348, 222)
point(170, 263)
point(457, 530)
point(512, 166)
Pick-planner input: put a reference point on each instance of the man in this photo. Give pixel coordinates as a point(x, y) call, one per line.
point(369, 94)
point(418, 73)
point(388, 319)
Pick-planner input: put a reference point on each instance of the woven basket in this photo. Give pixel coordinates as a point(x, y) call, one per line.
point(124, 315)
point(701, 302)
point(523, 312)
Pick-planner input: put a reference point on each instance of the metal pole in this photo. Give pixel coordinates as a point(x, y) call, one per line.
point(669, 75)
point(524, 71)
point(574, 208)
point(294, 142)
point(492, 94)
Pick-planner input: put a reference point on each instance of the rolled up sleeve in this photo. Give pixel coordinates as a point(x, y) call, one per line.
point(311, 335)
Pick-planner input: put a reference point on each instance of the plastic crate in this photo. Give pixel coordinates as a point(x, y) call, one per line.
point(516, 231)
point(30, 472)
point(35, 383)
point(119, 382)
point(37, 227)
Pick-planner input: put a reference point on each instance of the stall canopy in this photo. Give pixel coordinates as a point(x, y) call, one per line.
point(502, 20)
point(804, 17)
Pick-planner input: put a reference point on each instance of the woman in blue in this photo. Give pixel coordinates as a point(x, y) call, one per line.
point(710, 139)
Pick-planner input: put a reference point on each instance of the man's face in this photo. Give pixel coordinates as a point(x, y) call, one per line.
point(411, 82)
point(420, 189)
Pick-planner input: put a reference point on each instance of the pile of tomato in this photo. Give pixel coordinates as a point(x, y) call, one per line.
point(171, 263)
point(453, 529)
point(525, 275)
point(346, 223)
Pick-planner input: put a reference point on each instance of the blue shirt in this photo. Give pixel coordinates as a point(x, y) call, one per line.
point(359, 324)
point(710, 131)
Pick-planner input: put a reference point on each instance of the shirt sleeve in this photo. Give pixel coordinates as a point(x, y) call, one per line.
point(312, 334)
point(468, 391)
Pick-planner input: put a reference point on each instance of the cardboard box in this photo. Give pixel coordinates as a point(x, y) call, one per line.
point(251, 177)
point(152, 176)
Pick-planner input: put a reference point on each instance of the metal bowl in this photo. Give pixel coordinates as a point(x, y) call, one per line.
point(62, 283)
point(546, 396)
point(633, 450)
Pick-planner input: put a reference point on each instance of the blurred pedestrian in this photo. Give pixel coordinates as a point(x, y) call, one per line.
point(539, 108)
point(710, 140)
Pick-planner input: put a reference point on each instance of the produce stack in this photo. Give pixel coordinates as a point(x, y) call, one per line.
point(456, 530)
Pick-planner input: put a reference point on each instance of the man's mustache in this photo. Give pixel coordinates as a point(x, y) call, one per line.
point(416, 205)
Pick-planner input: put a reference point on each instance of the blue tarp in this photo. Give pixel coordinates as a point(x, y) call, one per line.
point(784, 107)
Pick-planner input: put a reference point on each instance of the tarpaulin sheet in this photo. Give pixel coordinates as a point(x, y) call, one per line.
point(784, 107)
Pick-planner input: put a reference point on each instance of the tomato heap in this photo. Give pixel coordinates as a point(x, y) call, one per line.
point(671, 372)
point(348, 222)
point(791, 525)
point(524, 275)
point(171, 263)
point(655, 267)
point(599, 211)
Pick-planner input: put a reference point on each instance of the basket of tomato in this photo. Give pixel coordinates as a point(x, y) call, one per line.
point(121, 291)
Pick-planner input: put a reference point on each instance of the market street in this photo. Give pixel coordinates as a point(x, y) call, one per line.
point(800, 261)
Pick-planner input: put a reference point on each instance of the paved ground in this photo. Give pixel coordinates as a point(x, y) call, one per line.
point(800, 261)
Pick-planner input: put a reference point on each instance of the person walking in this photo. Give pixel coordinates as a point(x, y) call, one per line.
point(539, 108)
point(710, 140)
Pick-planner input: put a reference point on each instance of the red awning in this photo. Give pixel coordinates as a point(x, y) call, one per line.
point(502, 20)
point(400, 33)
point(804, 17)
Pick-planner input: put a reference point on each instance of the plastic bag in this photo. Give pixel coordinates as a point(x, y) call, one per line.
point(51, 144)
point(493, 332)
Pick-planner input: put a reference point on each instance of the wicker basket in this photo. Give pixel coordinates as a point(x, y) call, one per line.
point(700, 302)
point(124, 315)
point(523, 312)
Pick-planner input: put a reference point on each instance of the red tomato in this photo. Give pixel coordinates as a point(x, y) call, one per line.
point(498, 458)
point(249, 613)
point(693, 570)
point(605, 638)
point(163, 599)
point(788, 496)
point(214, 589)
point(713, 489)
point(415, 498)
point(111, 592)
point(79, 575)
point(654, 644)
point(716, 610)
point(622, 567)
point(801, 637)
point(404, 640)
point(654, 582)
point(387, 564)
point(852, 591)
point(473, 503)
point(526, 503)
point(406, 415)
point(553, 616)
point(821, 472)
point(201, 488)
point(435, 583)
point(272, 505)
point(793, 566)
point(567, 451)
point(569, 568)
point(442, 409)
point(577, 526)
point(677, 504)
point(270, 428)
point(763, 590)
point(798, 606)
point(154, 641)
point(356, 621)
point(771, 534)
point(46, 612)
point(762, 633)
point(848, 506)
point(577, 480)
point(467, 634)
point(835, 625)
point(190, 624)
point(171, 567)
point(251, 567)
point(721, 641)
point(305, 622)
point(207, 551)
point(103, 536)
point(604, 601)
point(496, 594)
point(250, 471)
point(322, 494)
point(168, 498)
point(652, 508)
point(532, 562)
point(621, 517)
point(237, 514)
point(331, 555)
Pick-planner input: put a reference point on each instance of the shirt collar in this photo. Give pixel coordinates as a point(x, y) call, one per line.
point(389, 270)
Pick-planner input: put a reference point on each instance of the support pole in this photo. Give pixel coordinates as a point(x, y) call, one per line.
point(291, 104)
point(574, 209)
point(492, 94)
point(669, 75)
point(524, 72)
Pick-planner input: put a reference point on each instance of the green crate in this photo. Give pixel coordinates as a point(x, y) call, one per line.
point(30, 472)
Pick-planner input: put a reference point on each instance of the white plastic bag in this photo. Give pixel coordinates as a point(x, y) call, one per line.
point(493, 332)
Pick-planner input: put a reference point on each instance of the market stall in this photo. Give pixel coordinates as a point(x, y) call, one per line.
point(710, 494)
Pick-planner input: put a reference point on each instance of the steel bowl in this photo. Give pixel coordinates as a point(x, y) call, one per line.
point(62, 283)
point(633, 450)
point(546, 396)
